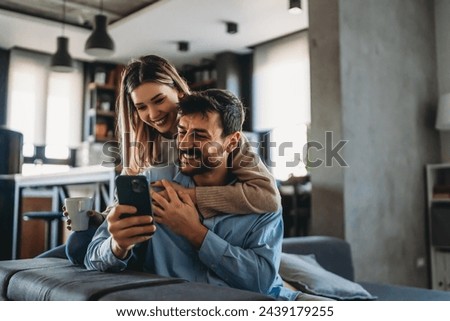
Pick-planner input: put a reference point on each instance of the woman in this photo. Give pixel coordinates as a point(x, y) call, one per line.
point(147, 125)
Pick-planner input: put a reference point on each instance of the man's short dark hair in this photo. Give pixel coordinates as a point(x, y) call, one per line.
point(228, 106)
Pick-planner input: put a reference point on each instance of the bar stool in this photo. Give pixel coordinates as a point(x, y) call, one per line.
point(52, 229)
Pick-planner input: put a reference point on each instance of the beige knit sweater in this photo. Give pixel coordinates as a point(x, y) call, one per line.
point(254, 192)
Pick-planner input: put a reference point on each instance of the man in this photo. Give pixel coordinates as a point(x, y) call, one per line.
point(240, 251)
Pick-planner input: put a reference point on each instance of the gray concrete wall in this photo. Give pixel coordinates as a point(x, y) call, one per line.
point(388, 88)
point(326, 115)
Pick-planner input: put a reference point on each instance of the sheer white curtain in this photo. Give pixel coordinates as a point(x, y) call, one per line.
point(45, 106)
point(27, 95)
point(282, 101)
point(64, 111)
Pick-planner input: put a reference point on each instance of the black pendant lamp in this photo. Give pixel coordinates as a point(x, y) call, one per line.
point(99, 43)
point(295, 6)
point(62, 61)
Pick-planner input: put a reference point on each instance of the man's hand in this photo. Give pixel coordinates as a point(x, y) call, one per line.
point(128, 231)
point(177, 187)
point(179, 214)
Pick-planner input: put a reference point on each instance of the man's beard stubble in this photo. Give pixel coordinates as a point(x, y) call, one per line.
point(204, 165)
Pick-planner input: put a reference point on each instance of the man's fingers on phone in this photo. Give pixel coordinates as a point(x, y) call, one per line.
point(136, 220)
point(119, 210)
point(127, 208)
point(138, 231)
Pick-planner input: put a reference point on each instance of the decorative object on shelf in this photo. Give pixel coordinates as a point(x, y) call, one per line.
point(295, 6)
point(101, 129)
point(100, 77)
point(443, 113)
point(61, 60)
point(99, 43)
point(105, 105)
point(232, 27)
point(183, 46)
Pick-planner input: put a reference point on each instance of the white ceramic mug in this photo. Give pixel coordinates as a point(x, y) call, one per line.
point(77, 208)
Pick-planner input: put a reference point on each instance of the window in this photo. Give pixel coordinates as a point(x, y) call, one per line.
point(46, 107)
point(282, 102)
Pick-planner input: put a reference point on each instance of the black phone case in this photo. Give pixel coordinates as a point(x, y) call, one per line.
point(134, 191)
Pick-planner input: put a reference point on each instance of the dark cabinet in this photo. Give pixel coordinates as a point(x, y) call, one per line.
point(229, 71)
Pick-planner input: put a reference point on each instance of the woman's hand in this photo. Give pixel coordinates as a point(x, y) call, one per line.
point(159, 187)
point(95, 218)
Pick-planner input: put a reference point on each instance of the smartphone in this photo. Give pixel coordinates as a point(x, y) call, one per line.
point(134, 191)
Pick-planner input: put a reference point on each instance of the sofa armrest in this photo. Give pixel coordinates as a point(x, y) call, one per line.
point(57, 252)
point(331, 253)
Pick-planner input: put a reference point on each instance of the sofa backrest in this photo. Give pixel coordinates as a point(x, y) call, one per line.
point(331, 253)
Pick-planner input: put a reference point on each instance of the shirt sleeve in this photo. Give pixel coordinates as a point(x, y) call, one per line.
point(252, 265)
point(254, 192)
point(99, 255)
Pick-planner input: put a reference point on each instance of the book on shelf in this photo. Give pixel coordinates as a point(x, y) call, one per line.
point(441, 196)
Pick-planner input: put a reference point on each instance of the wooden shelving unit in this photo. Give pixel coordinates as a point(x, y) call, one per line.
point(202, 76)
point(438, 214)
point(102, 88)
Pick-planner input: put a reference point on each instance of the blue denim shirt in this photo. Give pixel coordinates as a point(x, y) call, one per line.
point(239, 251)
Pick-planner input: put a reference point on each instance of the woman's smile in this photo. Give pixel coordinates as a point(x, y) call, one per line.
point(160, 122)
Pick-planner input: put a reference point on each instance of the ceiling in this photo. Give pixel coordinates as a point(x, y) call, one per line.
point(141, 27)
point(79, 13)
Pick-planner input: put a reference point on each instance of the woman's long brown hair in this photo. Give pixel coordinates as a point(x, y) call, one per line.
point(140, 143)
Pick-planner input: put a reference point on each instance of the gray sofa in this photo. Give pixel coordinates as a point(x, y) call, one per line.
point(53, 277)
point(56, 279)
point(335, 256)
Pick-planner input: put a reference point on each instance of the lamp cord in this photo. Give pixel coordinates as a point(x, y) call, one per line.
point(64, 17)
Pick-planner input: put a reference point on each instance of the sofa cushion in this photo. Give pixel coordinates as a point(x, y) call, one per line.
point(305, 274)
point(76, 283)
point(331, 253)
point(11, 267)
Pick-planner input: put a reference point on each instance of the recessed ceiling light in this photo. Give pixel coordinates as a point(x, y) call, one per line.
point(232, 27)
point(183, 46)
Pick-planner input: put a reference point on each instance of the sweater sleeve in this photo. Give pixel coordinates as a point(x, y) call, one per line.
point(254, 192)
